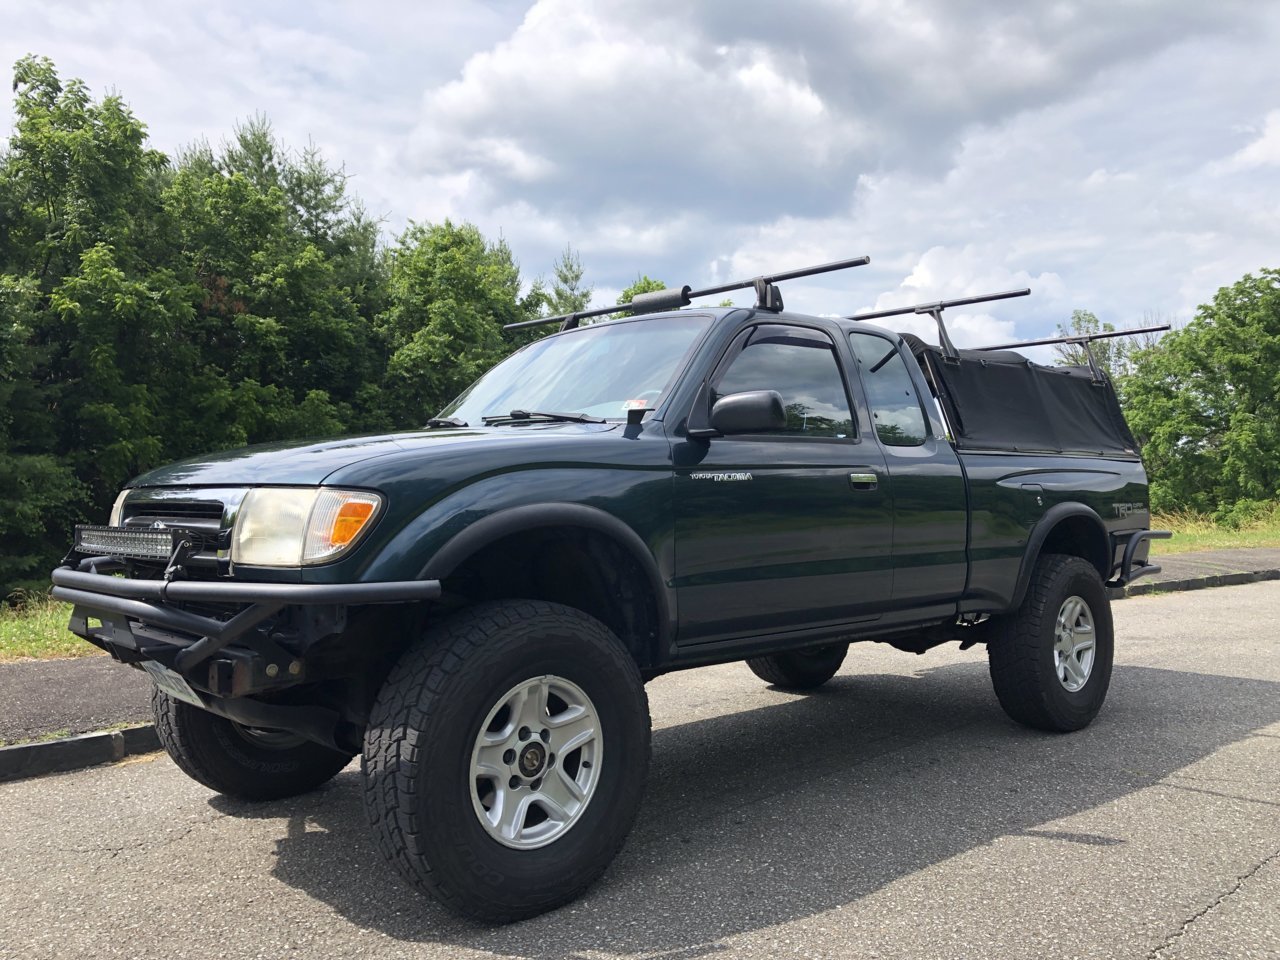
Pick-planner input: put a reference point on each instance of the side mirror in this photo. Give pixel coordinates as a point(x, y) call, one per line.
point(756, 411)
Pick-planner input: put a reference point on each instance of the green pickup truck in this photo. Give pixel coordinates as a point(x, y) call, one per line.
point(475, 607)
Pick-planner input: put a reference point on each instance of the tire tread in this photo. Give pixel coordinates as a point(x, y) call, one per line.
point(413, 694)
point(197, 742)
point(791, 672)
point(1016, 649)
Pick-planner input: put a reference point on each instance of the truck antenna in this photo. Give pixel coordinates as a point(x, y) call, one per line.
point(768, 297)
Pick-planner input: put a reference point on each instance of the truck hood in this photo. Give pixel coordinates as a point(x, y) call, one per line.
point(307, 462)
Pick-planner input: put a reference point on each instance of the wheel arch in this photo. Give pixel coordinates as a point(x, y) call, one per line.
point(1074, 529)
point(611, 549)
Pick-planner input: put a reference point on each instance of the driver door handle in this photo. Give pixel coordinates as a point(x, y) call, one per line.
point(863, 478)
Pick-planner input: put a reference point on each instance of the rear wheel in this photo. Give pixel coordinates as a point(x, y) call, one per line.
point(506, 758)
point(800, 669)
point(250, 763)
point(1051, 661)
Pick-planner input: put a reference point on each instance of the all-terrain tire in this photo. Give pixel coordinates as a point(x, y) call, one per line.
point(437, 705)
point(800, 669)
point(1021, 651)
point(238, 761)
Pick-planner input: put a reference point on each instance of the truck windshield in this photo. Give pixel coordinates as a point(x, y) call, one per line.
point(603, 371)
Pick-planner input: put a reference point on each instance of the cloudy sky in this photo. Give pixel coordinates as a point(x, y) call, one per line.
point(1121, 156)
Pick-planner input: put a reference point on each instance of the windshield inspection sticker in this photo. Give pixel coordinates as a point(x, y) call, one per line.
point(719, 477)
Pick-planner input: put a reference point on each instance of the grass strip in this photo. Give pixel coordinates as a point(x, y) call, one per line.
point(1194, 532)
point(36, 629)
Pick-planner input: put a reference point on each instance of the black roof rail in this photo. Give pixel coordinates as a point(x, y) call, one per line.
point(935, 309)
point(1083, 338)
point(767, 295)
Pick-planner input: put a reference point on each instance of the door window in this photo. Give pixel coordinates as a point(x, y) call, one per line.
point(895, 407)
point(801, 365)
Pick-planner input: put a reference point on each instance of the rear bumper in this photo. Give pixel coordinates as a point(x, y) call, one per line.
point(1126, 570)
point(120, 603)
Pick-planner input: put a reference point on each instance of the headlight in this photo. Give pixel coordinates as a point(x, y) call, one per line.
point(117, 510)
point(293, 526)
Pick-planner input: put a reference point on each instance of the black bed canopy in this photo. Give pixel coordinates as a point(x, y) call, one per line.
point(1000, 400)
point(996, 399)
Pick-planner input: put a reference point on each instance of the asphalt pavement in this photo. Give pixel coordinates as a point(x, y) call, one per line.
point(895, 813)
point(41, 697)
point(1210, 568)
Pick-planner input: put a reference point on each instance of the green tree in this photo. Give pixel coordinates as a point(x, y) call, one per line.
point(643, 284)
point(450, 293)
point(1205, 402)
point(568, 294)
point(117, 379)
point(42, 495)
point(88, 305)
point(77, 173)
point(1112, 354)
point(291, 281)
point(149, 312)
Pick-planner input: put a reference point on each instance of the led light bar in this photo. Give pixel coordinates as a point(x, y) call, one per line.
point(119, 542)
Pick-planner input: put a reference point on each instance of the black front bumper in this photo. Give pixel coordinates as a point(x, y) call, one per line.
point(120, 603)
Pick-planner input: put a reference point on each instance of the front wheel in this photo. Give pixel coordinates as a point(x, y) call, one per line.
point(244, 762)
point(1051, 660)
point(506, 757)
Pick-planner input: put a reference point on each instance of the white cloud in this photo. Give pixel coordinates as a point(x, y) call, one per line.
point(964, 329)
point(329, 72)
point(1102, 177)
point(1119, 157)
point(637, 112)
point(730, 109)
point(1262, 152)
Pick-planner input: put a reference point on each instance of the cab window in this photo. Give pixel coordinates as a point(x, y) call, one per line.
point(801, 365)
point(895, 407)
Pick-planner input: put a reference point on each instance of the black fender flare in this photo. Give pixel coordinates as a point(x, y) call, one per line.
point(504, 523)
point(1054, 516)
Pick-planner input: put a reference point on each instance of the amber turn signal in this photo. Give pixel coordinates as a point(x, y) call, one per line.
point(351, 518)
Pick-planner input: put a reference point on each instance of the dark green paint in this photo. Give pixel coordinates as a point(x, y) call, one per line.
point(795, 550)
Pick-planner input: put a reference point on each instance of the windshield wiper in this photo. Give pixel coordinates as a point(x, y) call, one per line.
point(535, 415)
point(446, 422)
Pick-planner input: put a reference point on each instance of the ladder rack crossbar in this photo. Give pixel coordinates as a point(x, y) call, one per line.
point(1081, 338)
point(673, 298)
point(940, 305)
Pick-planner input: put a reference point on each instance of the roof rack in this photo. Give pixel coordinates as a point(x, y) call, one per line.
point(768, 296)
point(1084, 338)
point(935, 309)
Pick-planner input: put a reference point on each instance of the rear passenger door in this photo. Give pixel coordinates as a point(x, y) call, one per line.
point(930, 505)
point(786, 530)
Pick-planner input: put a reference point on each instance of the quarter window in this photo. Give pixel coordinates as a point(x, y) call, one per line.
point(801, 365)
point(895, 407)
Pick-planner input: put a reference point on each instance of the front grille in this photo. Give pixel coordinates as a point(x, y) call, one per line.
point(203, 512)
point(200, 519)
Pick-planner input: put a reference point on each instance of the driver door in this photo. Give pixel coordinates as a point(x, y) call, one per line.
point(785, 530)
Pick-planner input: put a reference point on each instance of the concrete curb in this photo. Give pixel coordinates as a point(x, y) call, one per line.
point(1201, 583)
point(90, 749)
point(72, 753)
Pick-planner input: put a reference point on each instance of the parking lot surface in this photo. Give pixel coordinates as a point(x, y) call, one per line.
point(895, 813)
